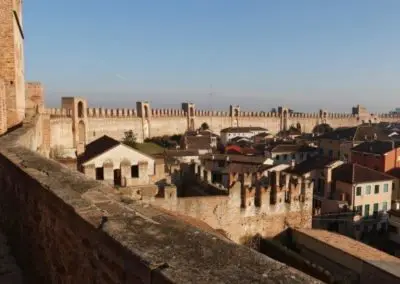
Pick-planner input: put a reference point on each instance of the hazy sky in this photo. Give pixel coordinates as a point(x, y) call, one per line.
point(305, 54)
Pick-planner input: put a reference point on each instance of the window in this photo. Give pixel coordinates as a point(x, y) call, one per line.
point(293, 156)
point(377, 189)
point(376, 207)
point(358, 191)
point(135, 171)
point(301, 156)
point(100, 173)
point(277, 157)
point(368, 190)
point(386, 187)
point(330, 153)
point(359, 209)
point(285, 157)
point(366, 210)
point(384, 206)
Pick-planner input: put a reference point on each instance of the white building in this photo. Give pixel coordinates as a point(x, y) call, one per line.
point(289, 153)
point(247, 132)
point(112, 161)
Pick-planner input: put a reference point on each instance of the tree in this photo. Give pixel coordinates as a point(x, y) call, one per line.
point(322, 128)
point(204, 126)
point(129, 139)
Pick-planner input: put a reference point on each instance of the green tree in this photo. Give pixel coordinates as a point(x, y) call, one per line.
point(204, 126)
point(130, 139)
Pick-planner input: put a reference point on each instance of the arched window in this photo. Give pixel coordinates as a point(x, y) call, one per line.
point(146, 112)
point(80, 109)
point(191, 112)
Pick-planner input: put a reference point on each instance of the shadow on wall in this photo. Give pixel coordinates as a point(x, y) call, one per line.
point(280, 248)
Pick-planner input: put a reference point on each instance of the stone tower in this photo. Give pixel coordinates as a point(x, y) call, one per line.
point(234, 112)
point(144, 111)
point(284, 113)
point(77, 108)
point(12, 88)
point(189, 109)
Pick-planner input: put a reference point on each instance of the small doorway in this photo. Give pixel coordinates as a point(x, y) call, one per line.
point(117, 177)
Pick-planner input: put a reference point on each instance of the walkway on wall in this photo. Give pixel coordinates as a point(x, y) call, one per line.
point(9, 271)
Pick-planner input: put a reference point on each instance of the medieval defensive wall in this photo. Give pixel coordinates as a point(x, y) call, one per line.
point(75, 124)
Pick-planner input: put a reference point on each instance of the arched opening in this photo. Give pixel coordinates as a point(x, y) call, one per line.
point(146, 112)
point(236, 112)
point(191, 112)
point(298, 126)
point(191, 125)
point(80, 109)
point(81, 132)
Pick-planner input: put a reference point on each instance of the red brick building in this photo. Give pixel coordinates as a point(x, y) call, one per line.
point(378, 155)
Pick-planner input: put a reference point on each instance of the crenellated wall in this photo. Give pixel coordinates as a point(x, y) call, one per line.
point(248, 209)
point(147, 122)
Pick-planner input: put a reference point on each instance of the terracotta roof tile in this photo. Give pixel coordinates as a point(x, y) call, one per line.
point(355, 173)
point(376, 147)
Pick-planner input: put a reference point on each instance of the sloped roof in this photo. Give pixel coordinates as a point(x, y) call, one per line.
point(357, 133)
point(197, 142)
point(376, 147)
point(314, 163)
point(290, 148)
point(102, 145)
point(355, 173)
point(243, 129)
point(97, 147)
point(394, 172)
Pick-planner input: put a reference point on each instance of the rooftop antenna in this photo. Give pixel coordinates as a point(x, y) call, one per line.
point(211, 106)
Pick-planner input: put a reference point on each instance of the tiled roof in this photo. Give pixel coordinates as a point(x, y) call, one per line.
point(197, 142)
point(97, 147)
point(291, 148)
point(394, 172)
point(355, 173)
point(314, 163)
point(357, 133)
point(181, 153)
point(376, 147)
point(243, 129)
point(356, 249)
point(235, 158)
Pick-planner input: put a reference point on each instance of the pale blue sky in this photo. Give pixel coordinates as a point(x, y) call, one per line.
point(260, 54)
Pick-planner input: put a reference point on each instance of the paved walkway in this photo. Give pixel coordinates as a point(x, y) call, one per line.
point(9, 271)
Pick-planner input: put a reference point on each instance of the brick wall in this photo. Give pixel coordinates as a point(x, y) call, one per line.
point(12, 61)
point(3, 110)
point(34, 99)
point(64, 228)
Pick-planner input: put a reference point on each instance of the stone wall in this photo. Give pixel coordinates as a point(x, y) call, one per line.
point(12, 60)
point(159, 122)
point(246, 211)
point(65, 228)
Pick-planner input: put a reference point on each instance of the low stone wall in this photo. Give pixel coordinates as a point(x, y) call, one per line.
point(65, 228)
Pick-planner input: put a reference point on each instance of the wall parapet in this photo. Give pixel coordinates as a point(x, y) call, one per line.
point(71, 228)
point(58, 112)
